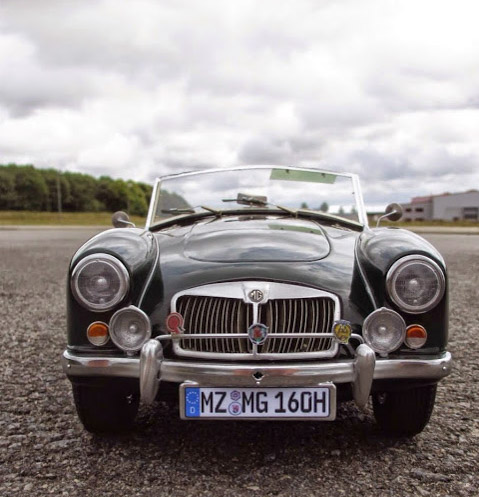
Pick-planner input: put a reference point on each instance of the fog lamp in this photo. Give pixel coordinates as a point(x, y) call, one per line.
point(130, 328)
point(416, 336)
point(97, 333)
point(384, 330)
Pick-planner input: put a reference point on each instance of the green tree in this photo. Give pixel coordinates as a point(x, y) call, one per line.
point(137, 203)
point(7, 189)
point(324, 207)
point(58, 188)
point(83, 190)
point(147, 191)
point(26, 188)
point(31, 191)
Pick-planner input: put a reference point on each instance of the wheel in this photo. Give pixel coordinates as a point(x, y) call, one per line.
point(404, 412)
point(107, 408)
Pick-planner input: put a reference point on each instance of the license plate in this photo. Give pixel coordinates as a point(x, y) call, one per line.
point(258, 403)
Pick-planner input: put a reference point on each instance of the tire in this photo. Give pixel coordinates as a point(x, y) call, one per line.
point(404, 412)
point(107, 408)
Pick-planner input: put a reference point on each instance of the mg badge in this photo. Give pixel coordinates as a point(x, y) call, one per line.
point(256, 296)
point(257, 333)
point(342, 331)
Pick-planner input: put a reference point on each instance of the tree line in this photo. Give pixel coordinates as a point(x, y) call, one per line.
point(23, 187)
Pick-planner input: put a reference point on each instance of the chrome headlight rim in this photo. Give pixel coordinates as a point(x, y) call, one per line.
point(112, 327)
point(118, 266)
point(393, 274)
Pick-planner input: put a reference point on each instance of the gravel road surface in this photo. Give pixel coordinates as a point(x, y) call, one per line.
point(45, 451)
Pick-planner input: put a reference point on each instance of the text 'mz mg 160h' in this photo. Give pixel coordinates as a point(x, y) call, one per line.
point(257, 293)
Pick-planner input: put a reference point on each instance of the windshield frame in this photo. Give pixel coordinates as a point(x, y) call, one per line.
point(361, 210)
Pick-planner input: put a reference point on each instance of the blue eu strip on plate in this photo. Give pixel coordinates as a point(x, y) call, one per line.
point(192, 402)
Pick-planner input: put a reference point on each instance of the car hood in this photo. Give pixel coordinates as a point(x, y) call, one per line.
point(286, 249)
point(243, 239)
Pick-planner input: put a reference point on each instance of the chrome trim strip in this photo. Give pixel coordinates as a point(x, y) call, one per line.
point(255, 166)
point(362, 273)
point(362, 214)
point(284, 374)
point(147, 284)
point(240, 290)
point(153, 205)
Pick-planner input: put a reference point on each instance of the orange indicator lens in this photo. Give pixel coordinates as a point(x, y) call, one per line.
point(97, 333)
point(416, 336)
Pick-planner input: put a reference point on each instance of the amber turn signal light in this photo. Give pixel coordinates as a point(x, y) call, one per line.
point(97, 333)
point(416, 336)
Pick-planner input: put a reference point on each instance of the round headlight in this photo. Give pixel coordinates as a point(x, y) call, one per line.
point(100, 282)
point(384, 330)
point(415, 284)
point(130, 328)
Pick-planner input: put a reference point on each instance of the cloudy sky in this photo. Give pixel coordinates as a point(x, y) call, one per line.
point(136, 89)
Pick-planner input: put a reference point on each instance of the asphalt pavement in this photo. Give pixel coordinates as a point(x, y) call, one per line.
point(45, 451)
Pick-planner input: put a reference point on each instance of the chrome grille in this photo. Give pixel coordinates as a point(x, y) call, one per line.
point(221, 315)
point(297, 316)
point(205, 314)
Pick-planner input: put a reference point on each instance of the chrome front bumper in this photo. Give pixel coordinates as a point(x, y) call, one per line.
point(151, 368)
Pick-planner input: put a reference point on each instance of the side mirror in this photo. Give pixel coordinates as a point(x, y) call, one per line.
point(393, 213)
point(121, 220)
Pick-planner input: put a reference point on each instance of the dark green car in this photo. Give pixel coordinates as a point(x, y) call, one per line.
point(257, 293)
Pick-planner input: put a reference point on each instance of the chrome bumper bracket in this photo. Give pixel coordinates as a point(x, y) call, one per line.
point(363, 374)
point(151, 358)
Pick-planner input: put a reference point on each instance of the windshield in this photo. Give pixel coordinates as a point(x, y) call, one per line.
point(286, 189)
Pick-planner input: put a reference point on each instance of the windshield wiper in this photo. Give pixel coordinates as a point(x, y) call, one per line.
point(174, 210)
point(190, 210)
point(257, 201)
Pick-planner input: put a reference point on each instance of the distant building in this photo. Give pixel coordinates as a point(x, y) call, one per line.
point(446, 207)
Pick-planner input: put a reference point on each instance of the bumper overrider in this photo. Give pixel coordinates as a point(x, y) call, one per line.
point(151, 368)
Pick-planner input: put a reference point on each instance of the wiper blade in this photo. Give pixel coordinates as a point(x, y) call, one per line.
point(293, 212)
point(174, 210)
point(190, 210)
point(210, 209)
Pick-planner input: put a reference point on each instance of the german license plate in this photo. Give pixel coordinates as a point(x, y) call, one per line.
point(258, 403)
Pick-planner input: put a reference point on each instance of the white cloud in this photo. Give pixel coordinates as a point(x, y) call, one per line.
point(141, 88)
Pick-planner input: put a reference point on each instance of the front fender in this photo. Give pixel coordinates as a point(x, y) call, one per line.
point(136, 249)
point(376, 251)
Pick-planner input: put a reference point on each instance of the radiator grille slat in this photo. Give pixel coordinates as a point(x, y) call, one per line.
point(204, 314)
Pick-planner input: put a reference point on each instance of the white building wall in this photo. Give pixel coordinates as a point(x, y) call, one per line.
point(421, 211)
point(452, 207)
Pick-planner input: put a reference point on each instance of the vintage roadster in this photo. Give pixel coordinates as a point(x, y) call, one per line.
point(257, 293)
